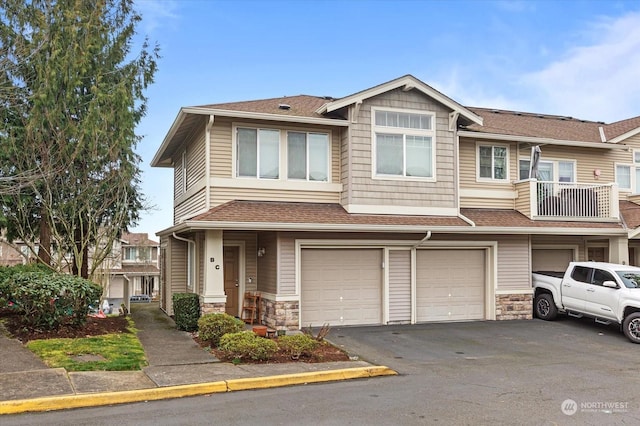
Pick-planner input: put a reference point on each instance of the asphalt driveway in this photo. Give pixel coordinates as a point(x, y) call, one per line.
point(566, 371)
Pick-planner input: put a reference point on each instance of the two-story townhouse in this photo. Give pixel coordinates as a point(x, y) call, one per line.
point(395, 204)
point(132, 269)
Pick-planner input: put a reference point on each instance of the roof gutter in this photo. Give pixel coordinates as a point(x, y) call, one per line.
point(264, 226)
point(266, 116)
point(535, 140)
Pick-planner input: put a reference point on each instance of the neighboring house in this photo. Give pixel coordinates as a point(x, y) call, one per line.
point(132, 269)
point(395, 204)
point(17, 253)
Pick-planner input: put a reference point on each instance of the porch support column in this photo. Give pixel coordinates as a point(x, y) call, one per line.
point(213, 269)
point(619, 250)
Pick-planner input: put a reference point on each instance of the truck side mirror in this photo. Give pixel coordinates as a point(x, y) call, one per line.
point(610, 284)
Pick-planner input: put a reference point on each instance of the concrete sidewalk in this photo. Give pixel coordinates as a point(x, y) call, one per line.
point(177, 367)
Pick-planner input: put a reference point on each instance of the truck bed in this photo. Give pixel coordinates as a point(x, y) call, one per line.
point(550, 273)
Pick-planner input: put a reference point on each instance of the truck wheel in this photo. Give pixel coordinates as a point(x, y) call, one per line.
point(631, 327)
point(545, 308)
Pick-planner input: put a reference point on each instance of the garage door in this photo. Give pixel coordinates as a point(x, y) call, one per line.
point(551, 259)
point(450, 285)
point(341, 287)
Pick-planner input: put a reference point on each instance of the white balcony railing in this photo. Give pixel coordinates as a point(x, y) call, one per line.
point(570, 200)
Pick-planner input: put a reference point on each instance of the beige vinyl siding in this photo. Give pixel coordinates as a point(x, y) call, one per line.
point(487, 203)
point(587, 160)
point(513, 263)
point(178, 188)
point(287, 263)
point(189, 207)
point(345, 167)
point(177, 280)
point(221, 148)
point(223, 195)
point(223, 140)
point(469, 177)
point(368, 191)
point(268, 264)
point(196, 160)
point(250, 255)
point(627, 158)
point(200, 253)
point(523, 202)
point(399, 286)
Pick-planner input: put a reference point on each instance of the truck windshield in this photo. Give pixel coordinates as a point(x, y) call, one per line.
point(630, 279)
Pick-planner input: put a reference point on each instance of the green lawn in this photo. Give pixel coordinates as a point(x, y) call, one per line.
point(112, 352)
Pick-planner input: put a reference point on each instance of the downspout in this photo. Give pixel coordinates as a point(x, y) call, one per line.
point(466, 219)
point(189, 260)
point(207, 162)
point(426, 237)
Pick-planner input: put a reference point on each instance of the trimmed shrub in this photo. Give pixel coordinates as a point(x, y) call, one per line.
point(186, 311)
point(211, 327)
point(49, 300)
point(297, 344)
point(7, 272)
point(247, 345)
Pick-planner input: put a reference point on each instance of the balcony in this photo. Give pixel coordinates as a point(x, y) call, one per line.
point(540, 200)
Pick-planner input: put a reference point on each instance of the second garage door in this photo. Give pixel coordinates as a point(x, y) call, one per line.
point(341, 287)
point(450, 285)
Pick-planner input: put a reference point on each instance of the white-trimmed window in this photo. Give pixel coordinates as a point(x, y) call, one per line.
point(550, 171)
point(258, 153)
point(493, 162)
point(404, 143)
point(308, 156)
point(628, 175)
point(128, 253)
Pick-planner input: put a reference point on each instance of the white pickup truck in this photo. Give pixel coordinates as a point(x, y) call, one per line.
point(606, 292)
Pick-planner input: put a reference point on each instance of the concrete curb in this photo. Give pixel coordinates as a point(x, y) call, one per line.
point(122, 397)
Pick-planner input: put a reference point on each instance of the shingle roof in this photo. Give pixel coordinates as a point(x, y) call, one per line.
point(631, 214)
point(313, 213)
point(255, 212)
point(300, 106)
point(498, 121)
point(138, 239)
point(618, 128)
point(536, 125)
point(504, 218)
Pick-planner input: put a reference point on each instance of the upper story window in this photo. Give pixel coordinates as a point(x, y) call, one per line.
point(272, 153)
point(308, 156)
point(258, 153)
point(550, 171)
point(129, 253)
point(628, 175)
point(492, 162)
point(404, 144)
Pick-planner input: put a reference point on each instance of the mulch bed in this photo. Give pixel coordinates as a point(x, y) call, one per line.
point(93, 327)
point(325, 352)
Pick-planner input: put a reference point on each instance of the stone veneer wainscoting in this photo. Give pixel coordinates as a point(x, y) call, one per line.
point(280, 315)
point(514, 306)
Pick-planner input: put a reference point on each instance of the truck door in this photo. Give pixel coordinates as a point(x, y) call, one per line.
point(574, 288)
point(602, 301)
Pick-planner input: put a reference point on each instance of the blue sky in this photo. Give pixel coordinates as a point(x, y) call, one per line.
point(575, 58)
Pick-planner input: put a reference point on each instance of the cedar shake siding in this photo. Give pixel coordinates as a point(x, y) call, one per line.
point(365, 190)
